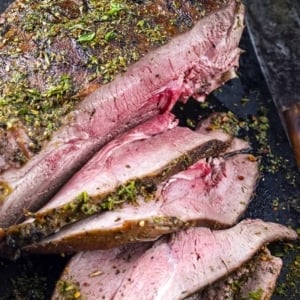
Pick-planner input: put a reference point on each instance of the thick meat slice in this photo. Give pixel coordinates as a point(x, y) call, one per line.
point(191, 63)
point(254, 280)
point(127, 167)
point(214, 192)
point(172, 268)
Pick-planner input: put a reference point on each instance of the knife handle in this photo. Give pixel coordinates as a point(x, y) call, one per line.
point(292, 120)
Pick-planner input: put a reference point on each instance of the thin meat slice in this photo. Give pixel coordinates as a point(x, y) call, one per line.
point(263, 281)
point(130, 166)
point(195, 258)
point(210, 193)
point(192, 63)
point(113, 264)
point(172, 268)
point(254, 280)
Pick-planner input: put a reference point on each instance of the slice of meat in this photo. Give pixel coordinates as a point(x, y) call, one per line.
point(263, 281)
point(172, 268)
point(191, 63)
point(212, 193)
point(113, 264)
point(254, 280)
point(127, 167)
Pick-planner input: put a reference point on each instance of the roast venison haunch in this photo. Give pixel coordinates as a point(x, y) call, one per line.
point(77, 74)
point(145, 55)
point(172, 268)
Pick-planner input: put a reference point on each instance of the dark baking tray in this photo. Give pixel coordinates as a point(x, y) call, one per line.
point(277, 197)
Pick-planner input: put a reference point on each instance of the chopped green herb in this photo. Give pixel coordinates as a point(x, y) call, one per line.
point(87, 37)
point(191, 123)
point(115, 8)
point(256, 295)
point(68, 290)
point(109, 36)
point(245, 100)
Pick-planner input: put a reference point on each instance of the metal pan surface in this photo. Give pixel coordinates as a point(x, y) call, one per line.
point(277, 197)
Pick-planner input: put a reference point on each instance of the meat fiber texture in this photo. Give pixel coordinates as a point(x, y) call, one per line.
point(125, 168)
point(213, 192)
point(256, 279)
point(172, 268)
point(192, 63)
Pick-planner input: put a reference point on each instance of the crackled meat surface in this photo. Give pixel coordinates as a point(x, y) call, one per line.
point(212, 192)
point(172, 268)
point(196, 55)
point(124, 169)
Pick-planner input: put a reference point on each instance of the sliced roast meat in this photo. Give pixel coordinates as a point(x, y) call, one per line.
point(254, 280)
point(127, 167)
point(191, 63)
point(67, 49)
point(263, 281)
point(172, 268)
point(212, 193)
point(66, 67)
point(152, 127)
point(94, 264)
point(195, 258)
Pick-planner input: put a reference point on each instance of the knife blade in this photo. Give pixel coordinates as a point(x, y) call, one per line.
point(274, 29)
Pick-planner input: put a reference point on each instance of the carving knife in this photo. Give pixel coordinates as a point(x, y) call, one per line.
point(274, 29)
